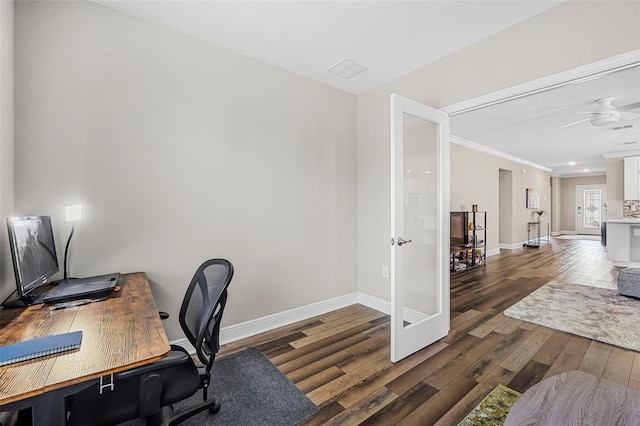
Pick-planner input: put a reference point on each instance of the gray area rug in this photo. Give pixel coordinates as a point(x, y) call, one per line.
point(251, 391)
point(596, 313)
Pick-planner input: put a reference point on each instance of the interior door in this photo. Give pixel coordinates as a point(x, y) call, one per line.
point(419, 226)
point(590, 208)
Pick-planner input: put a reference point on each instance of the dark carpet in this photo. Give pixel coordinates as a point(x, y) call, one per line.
point(251, 391)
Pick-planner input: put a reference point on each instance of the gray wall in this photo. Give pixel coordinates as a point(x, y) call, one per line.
point(181, 151)
point(6, 142)
point(549, 43)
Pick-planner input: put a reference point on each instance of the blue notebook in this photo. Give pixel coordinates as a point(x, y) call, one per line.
point(43, 346)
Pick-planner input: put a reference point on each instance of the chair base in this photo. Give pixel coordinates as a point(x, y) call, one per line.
point(181, 415)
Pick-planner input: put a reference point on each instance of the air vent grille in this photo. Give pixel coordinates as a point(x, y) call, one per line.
point(627, 126)
point(347, 69)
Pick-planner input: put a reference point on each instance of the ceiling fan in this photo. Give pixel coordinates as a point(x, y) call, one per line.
point(606, 113)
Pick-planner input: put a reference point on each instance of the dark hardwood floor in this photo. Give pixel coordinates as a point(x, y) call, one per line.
point(340, 360)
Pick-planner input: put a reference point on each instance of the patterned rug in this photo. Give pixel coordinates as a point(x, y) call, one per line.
point(493, 409)
point(596, 313)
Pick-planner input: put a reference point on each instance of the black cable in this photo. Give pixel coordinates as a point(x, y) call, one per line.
point(66, 250)
point(9, 297)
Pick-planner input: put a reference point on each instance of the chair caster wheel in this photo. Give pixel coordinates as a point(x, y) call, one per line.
point(215, 408)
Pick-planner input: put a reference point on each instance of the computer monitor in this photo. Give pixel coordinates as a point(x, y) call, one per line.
point(33, 252)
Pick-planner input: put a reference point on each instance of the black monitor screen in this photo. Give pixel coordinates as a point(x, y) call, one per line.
point(33, 251)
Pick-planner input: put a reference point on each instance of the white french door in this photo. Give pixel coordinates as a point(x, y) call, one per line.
point(590, 208)
point(419, 226)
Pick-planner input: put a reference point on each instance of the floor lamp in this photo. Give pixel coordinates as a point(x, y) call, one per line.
point(72, 214)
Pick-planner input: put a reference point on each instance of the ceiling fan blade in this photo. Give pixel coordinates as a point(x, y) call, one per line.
point(630, 107)
point(575, 122)
point(626, 115)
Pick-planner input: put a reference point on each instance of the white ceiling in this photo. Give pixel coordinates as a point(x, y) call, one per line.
point(392, 38)
point(531, 127)
point(389, 38)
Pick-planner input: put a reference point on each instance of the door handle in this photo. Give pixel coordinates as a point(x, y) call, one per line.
point(401, 241)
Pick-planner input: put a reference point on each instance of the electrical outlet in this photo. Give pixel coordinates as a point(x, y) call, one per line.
point(385, 271)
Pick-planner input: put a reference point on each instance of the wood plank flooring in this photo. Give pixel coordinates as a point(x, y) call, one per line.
point(340, 360)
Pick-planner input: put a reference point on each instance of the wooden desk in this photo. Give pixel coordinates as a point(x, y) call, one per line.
point(119, 333)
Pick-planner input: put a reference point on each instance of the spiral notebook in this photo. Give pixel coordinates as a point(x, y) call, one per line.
point(43, 346)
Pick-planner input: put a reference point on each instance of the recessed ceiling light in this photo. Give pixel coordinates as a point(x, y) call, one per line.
point(572, 163)
point(427, 172)
point(346, 68)
point(586, 170)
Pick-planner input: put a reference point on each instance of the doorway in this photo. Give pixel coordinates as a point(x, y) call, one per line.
point(590, 201)
point(505, 201)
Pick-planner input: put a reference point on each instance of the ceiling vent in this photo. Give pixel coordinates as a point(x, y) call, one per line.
point(347, 69)
point(628, 126)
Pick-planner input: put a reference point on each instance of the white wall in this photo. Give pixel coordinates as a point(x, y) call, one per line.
point(6, 142)
point(546, 44)
point(181, 151)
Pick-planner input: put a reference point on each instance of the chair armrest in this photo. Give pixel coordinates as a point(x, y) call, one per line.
point(174, 358)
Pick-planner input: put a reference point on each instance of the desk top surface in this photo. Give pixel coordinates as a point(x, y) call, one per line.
point(119, 333)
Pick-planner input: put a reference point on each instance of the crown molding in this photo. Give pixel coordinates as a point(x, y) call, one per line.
point(477, 147)
point(621, 154)
point(580, 175)
point(575, 75)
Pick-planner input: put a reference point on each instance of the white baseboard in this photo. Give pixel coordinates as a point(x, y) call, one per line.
point(269, 322)
point(374, 303)
point(493, 252)
point(566, 233)
point(260, 325)
point(512, 246)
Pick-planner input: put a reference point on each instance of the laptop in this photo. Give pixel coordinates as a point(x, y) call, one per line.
point(97, 286)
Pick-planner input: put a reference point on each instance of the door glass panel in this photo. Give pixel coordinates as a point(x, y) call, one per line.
point(420, 218)
point(592, 212)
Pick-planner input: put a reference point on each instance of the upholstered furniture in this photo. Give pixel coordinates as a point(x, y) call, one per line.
point(629, 282)
point(576, 398)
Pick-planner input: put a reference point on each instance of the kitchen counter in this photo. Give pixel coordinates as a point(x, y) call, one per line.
point(623, 242)
point(629, 220)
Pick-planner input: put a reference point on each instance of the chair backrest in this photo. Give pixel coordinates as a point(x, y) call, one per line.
point(202, 307)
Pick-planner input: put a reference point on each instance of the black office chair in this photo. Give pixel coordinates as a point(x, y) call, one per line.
point(143, 391)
